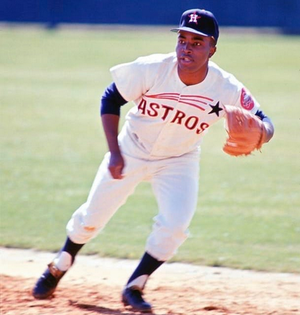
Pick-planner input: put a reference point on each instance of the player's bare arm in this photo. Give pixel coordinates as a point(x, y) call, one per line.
point(111, 102)
point(268, 126)
point(269, 129)
point(110, 124)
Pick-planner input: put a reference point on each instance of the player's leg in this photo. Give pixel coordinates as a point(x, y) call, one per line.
point(175, 185)
point(176, 191)
point(133, 291)
point(104, 199)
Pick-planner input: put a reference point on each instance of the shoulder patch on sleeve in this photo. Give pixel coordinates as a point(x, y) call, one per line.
point(247, 101)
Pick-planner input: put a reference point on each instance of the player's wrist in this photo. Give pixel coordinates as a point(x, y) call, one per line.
point(268, 130)
point(115, 152)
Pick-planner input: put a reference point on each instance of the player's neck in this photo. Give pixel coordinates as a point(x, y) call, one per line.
point(192, 78)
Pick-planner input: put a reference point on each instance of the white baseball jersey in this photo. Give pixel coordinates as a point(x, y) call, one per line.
point(170, 118)
point(160, 144)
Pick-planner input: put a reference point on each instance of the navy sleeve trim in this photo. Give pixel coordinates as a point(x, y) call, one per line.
point(111, 101)
point(261, 114)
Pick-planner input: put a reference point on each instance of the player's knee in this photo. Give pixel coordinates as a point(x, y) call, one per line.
point(81, 231)
point(82, 234)
point(164, 242)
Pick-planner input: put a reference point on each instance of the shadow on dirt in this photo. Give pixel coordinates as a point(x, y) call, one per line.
point(104, 310)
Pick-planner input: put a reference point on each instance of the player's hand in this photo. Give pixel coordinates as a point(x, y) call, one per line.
point(116, 165)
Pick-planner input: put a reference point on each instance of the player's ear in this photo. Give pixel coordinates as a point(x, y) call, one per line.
point(213, 49)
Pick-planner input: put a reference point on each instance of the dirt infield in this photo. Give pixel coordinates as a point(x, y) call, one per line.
point(93, 286)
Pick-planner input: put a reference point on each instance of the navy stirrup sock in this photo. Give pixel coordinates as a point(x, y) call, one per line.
point(146, 267)
point(71, 248)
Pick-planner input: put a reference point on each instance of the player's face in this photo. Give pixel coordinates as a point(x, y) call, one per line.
point(193, 52)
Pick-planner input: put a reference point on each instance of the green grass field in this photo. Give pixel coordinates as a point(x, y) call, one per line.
point(248, 213)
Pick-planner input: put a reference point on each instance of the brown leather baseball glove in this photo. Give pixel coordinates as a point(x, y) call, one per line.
point(246, 132)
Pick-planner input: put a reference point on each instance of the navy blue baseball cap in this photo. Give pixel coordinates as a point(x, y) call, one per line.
point(200, 22)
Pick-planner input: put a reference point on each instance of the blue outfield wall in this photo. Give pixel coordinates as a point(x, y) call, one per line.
point(284, 14)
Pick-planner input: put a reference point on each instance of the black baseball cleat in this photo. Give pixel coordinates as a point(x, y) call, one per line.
point(47, 283)
point(133, 297)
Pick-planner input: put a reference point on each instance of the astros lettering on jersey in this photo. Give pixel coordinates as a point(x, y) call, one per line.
point(166, 122)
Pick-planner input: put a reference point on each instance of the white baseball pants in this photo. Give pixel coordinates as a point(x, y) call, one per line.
point(175, 186)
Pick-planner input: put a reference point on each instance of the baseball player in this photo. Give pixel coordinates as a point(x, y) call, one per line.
point(177, 97)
